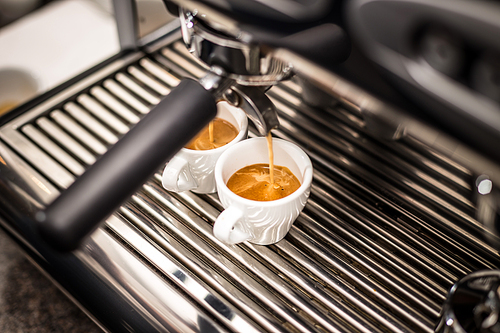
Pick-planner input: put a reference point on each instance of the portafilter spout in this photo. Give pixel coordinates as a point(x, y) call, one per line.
point(251, 99)
point(256, 105)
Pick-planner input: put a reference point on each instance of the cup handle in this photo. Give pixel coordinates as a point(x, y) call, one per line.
point(177, 176)
point(226, 226)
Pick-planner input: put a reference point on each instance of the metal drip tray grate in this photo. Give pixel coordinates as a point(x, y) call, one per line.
point(388, 229)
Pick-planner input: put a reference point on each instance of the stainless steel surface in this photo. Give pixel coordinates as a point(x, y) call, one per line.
point(388, 229)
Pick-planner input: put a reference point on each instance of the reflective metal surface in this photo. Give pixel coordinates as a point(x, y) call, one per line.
point(472, 305)
point(390, 225)
point(258, 107)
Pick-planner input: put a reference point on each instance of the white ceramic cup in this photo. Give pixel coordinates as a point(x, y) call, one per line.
point(194, 169)
point(260, 222)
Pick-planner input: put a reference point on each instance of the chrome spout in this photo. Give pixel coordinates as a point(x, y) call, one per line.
point(256, 105)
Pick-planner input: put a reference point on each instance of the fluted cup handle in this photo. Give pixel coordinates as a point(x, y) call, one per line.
point(177, 176)
point(227, 226)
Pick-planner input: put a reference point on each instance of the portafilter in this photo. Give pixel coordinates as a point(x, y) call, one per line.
point(235, 41)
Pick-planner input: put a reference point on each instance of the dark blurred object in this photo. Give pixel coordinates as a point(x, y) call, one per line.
point(442, 56)
point(473, 305)
point(485, 75)
point(11, 10)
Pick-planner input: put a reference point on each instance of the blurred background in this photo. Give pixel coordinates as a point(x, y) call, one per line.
point(47, 42)
point(11, 10)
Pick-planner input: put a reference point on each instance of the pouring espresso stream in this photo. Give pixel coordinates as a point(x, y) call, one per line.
point(271, 157)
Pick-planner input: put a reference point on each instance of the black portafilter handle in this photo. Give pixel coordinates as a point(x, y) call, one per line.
point(121, 171)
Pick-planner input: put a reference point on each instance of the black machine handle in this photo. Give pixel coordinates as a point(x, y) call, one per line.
point(127, 165)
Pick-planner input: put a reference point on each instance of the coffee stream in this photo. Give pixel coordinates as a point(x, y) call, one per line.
point(269, 138)
point(211, 131)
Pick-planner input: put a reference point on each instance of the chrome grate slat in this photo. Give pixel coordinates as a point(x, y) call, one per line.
point(112, 103)
point(102, 114)
point(159, 72)
point(125, 96)
point(183, 60)
point(140, 91)
point(66, 141)
point(388, 229)
point(148, 80)
point(53, 149)
point(70, 125)
point(90, 123)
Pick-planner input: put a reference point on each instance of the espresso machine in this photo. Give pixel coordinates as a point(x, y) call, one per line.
point(395, 102)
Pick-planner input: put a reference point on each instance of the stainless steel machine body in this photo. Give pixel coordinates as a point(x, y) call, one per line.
point(390, 225)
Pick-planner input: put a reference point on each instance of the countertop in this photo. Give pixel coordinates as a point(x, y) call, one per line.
point(29, 302)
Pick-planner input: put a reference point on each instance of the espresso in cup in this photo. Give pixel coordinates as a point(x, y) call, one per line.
point(253, 182)
point(217, 134)
point(264, 182)
point(250, 218)
point(192, 168)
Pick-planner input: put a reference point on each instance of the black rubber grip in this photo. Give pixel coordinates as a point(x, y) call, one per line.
point(127, 165)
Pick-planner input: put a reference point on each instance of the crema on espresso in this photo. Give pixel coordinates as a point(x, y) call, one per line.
point(253, 182)
point(219, 133)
